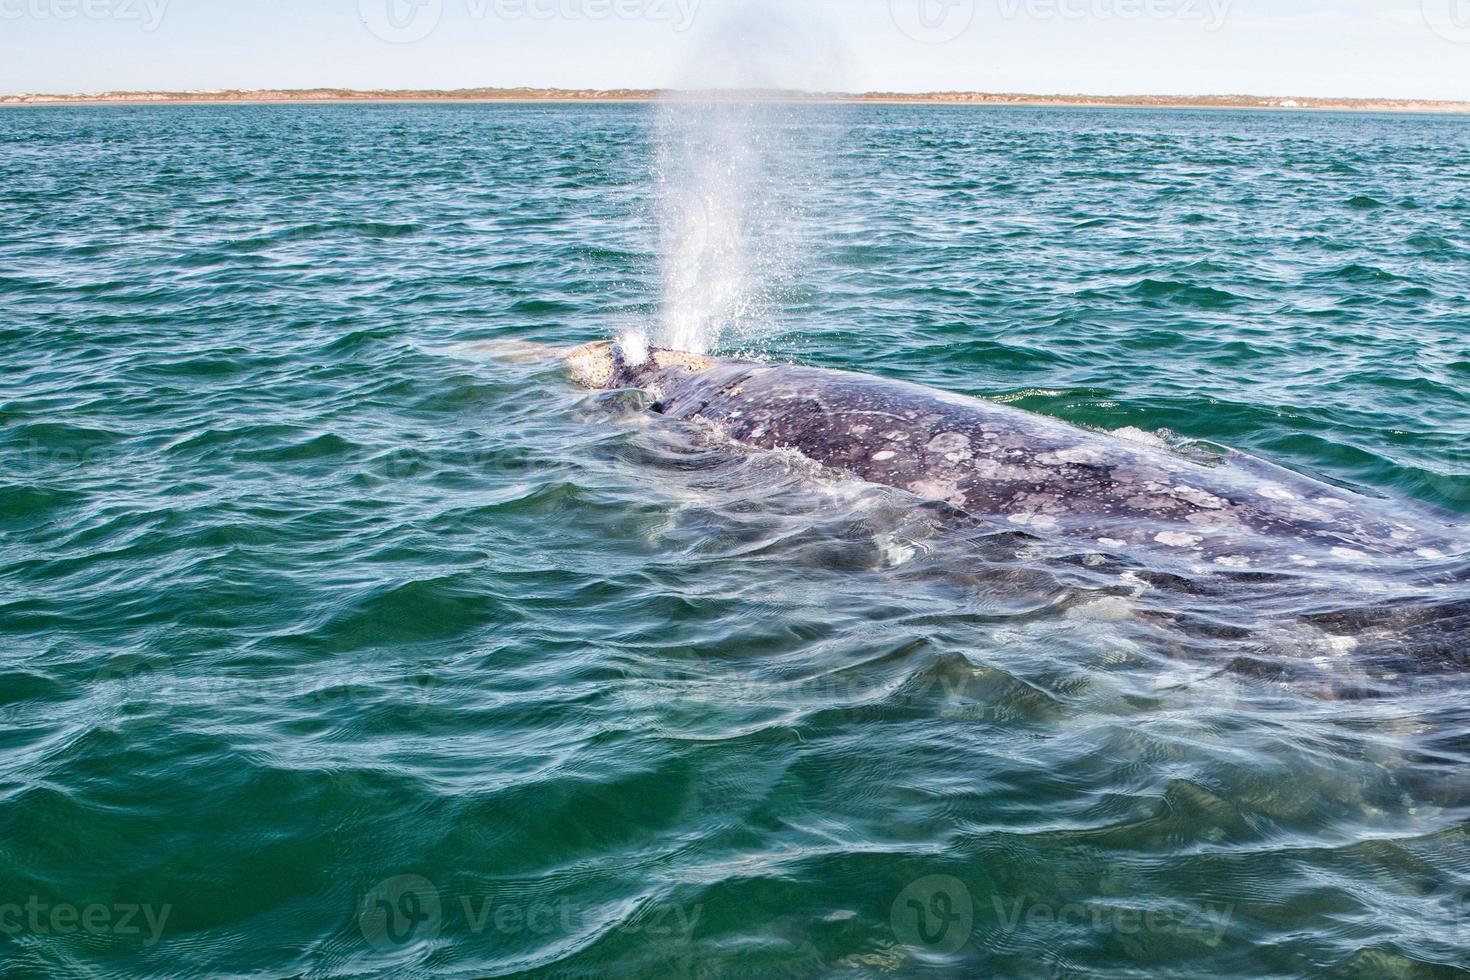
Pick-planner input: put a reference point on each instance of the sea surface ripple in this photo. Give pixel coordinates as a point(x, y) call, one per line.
point(337, 642)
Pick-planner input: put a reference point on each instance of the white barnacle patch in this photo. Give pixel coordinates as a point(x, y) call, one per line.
point(1134, 474)
point(695, 363)
point(1177, 539)
point(1076, 456)
point(1350, 554)
point(989, 469)
point(1430, 554)
point(1304, 561)
point(1199, 498)
point(1275, 491)
point(1041, 522)
point(934, 489)
point(1333, 503)
point(591, 365)
point(1065, 457)
point(861, 430)
point(1233, 561)
point(954, 446)
point(1215, 520)
point(884, 456)
point(1112, 543)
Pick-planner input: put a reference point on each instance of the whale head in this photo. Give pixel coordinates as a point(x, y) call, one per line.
point(592, 365)
point(604, 365)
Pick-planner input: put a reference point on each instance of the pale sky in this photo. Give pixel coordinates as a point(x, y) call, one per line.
point(1392, 48)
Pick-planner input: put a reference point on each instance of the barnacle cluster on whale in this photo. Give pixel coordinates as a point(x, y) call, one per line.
point(1027, 471)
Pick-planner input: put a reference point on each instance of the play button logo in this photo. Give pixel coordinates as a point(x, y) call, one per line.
point(933, 21)
point(401, 21)
point(1450, 19)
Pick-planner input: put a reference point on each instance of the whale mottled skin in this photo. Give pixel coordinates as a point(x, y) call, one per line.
point(1030, 472)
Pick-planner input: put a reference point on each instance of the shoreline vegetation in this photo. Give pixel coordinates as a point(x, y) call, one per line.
point(331, 95)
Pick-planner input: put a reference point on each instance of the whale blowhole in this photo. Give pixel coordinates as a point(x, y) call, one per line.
point(634, 347)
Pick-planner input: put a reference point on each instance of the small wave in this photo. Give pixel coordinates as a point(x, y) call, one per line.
point(1184, 294)
point(25, 686)
point(324, 446)
point(320, 231)
point(358, 340)
point(417, 611)
point(1431, 245)
point(541, 307)
point(1359, 273)
point(23, 506)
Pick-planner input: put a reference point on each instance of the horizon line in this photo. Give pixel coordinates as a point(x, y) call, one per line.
point(330, 94)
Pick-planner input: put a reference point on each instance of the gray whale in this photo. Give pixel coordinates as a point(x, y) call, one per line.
point(1031, 473)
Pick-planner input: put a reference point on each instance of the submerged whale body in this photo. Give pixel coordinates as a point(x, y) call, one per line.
point(1031, 472)
point(1238, 553)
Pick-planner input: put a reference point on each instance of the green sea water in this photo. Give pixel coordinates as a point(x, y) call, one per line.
point(343, 637)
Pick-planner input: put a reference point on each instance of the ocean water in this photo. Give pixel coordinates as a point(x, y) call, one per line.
point(342, 636)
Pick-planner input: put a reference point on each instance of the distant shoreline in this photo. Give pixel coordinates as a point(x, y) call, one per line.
point(325, 96)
